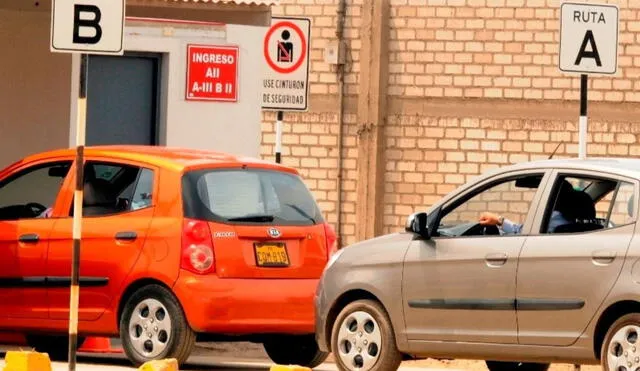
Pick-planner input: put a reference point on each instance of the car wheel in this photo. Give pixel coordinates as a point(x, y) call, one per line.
point(363, 338)
point(57, 347)
point(621, 346)
point(515, 366)
point(153, 326)
point(295, 350)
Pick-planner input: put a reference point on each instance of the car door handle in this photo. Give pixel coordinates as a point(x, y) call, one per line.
point(496, 259)
point(126, 236)
point(603, 257)
point(29, 238)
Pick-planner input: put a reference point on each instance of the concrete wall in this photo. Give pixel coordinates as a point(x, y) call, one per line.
point(34, 87)
point(472, 85)
point(232, 127)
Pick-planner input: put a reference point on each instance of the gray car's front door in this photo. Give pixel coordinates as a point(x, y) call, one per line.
point(565, 275)
point(461, 284)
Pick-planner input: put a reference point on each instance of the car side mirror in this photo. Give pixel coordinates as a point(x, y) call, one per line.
point(417, 223)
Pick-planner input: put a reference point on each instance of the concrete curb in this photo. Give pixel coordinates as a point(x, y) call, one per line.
point(27, 361)
point(289, 368)
point(170, 364)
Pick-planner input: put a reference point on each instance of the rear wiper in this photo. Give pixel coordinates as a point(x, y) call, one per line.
point(252, 218)
point(301, 212)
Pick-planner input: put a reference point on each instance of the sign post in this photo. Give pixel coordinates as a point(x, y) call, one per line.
point(279, 136)
point(84, 27)
point(285, 84)
point(588, 45)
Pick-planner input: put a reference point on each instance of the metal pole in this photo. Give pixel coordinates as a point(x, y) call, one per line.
point(342, 11)
point(77, 211)
point(279, 136)
point(582, 145)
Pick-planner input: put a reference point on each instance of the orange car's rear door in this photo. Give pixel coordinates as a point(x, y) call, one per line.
point(264, 223)
point(114, 230)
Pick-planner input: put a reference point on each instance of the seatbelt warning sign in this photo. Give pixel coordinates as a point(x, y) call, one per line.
point(286, 64)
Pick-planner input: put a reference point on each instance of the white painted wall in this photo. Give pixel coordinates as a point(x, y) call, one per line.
point(34, 86)
point(38, 89)
point(232, 127)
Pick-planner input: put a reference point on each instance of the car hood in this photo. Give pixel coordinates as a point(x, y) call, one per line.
point(384, 249)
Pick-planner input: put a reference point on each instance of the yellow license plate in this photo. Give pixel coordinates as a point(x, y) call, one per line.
point(271, 255)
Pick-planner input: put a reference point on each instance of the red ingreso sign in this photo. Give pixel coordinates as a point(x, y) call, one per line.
point(212, 73)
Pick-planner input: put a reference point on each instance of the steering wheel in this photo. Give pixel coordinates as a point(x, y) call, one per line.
point(478, 229)
point(490, 230)
point(36, 208)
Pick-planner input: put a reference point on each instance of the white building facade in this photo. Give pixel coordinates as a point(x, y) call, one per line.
point(143, 96)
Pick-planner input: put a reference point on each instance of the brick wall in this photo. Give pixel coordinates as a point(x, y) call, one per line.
point(473, 85)
point(497, 49)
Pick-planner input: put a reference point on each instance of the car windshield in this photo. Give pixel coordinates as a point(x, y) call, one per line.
point(249, 196)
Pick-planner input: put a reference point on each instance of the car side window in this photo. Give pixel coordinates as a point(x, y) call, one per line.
point(32, 192)
point(623, 211)
point(509, 199)
point(582, 204)
point(143, 194)
point(111, 188)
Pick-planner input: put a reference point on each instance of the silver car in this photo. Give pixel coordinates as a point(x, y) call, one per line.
point(528, 265)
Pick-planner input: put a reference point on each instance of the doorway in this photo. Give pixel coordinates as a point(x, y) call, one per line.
point(122, 99)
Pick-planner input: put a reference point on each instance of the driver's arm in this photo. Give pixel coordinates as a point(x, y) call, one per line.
point(506, 225)
point(510, 227)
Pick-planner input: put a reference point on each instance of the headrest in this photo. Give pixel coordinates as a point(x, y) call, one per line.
point(580, 206)
point(564, 200)
point(89, 173)
point(96, 192)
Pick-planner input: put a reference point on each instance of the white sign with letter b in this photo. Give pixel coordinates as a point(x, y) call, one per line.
point(88, 26)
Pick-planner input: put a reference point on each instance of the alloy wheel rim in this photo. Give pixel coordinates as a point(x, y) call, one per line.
point(359, 341)
point(150, 328)
point(623, 353)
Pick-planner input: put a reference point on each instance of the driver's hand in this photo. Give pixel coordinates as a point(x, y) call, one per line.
point(487, 218)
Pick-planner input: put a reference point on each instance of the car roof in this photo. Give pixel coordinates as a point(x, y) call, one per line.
point(174, 158)
point(629, 167)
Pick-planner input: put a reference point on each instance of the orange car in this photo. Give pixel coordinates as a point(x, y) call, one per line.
point(178, 245)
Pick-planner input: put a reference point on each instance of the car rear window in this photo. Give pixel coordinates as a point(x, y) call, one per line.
point(249, 196)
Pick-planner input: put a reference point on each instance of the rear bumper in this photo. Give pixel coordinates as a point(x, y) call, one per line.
point(247, 306)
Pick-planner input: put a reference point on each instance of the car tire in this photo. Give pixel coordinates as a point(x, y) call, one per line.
point(295, 350)
point(623, 332)
point(154, 315)
point(516, 366)
point(57, 347)
point(364, 326)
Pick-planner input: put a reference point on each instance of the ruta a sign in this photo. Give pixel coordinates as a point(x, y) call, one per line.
point(589, 38)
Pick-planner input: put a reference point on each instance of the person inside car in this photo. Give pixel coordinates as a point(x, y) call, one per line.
point(509, 227)
point(94, 193)
point(557, 216)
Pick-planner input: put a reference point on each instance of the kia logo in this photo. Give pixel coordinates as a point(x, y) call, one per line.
point(273, 232)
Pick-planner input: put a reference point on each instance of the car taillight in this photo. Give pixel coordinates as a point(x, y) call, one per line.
point(331, 240)
point(197, 247)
